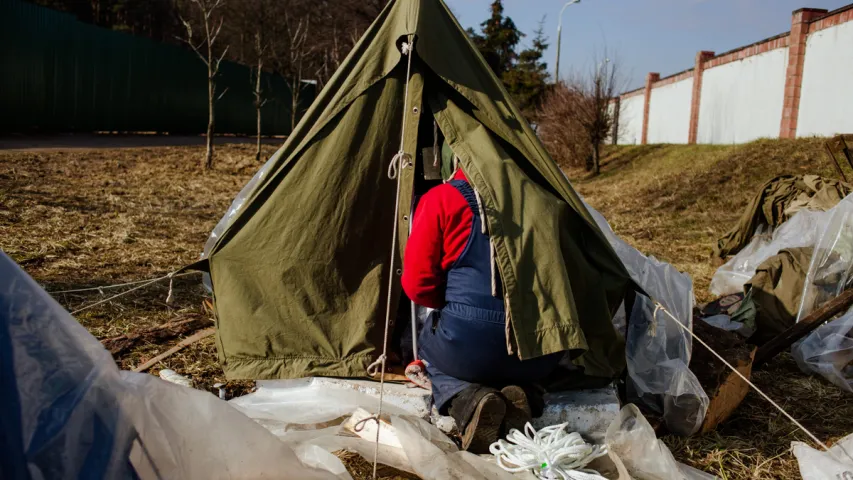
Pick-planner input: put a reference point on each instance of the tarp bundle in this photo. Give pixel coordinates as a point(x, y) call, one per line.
point(776, 202)
point(68, 412)
point(300, 272)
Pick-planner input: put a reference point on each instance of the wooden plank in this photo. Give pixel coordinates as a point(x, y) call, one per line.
point(815, 319)
point(122, 343)
point(728, 396)
point(168, 353)
point(834, 161)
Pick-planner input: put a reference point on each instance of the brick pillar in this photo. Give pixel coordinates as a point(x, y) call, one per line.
point(651, 78)
point(617, 110)
point(800, 20)
point(696, 99)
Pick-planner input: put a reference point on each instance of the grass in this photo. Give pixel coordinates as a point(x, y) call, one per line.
point(77, 219)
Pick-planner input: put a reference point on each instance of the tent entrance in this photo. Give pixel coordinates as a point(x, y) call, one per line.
point(431, 170)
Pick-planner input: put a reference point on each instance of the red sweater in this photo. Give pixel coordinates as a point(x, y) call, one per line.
point(440, 231)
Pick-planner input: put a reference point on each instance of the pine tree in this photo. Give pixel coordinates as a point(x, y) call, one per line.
point(497, 40)
point(527, 81)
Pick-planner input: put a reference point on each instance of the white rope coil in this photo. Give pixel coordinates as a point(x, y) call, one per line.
point(551, 453)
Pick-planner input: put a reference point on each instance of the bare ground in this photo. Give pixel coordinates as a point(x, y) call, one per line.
point(76, 218)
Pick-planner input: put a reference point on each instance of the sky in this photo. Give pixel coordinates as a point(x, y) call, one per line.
point(643, 35)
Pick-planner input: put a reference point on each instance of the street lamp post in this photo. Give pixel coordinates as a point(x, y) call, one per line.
point(559, 35)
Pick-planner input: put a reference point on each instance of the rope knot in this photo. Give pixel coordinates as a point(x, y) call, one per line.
point(359, 426)
point(380, 362)
point(399, 161)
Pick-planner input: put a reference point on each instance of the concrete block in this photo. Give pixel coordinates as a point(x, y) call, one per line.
point(588, 412)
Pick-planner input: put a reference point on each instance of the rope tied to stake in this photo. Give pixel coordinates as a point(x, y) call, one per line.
point(393, 173)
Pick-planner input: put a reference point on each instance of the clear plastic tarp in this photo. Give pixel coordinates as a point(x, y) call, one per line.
point(836, 464)
point(799, 231)
point(657, 350)
point(70, 413)
point(828, 351)
point(632, 439)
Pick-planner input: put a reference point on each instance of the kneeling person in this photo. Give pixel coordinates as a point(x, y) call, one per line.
point(449, 266)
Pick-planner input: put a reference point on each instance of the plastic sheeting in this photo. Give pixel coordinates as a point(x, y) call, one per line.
point(657, 350)
point(828, 350)
point(799, 231)
point(68, 412)
point(831, 268)
point(631, 438)
point(837, 464)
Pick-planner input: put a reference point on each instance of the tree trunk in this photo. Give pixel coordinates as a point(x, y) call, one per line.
point(211, 87)
point(258, 109)
point(294, 101)
point(596, 160)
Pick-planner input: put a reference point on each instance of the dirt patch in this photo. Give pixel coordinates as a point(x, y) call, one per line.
point(709, 370)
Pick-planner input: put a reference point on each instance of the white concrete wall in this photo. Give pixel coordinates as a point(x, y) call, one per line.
point(631, 120)
point(742, 100)
point(826, 99)
point(669, 112)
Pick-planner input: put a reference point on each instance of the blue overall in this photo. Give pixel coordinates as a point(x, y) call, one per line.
point(465, 342)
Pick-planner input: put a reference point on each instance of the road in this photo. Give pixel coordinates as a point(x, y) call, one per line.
point(88, 141)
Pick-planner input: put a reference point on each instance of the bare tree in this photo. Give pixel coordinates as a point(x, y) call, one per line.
point(205, 48)
point(293, 59)
point(598, 117)
point(257, 88)
point(577, 117)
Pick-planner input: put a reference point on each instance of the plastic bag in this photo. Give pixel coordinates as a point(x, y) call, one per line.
point(233, 210)
point(837, 464)
point(69, 412)
point(828, 352)
point(433, 456)
point(725, 322)
point(657, 350)
point(799, 231)
point(831, 267)
point(633, 441)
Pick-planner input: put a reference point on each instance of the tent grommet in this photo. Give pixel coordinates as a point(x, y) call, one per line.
point(415, 110)
point(399, 272)
point(405, 218)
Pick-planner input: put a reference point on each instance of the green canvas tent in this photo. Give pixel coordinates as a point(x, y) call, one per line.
point(300, 275)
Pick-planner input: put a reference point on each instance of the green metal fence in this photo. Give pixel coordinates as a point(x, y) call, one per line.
point(60, 74)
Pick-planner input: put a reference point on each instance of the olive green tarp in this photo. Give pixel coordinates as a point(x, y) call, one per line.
point(773, 294)
point(300, 277)
point(776, 202)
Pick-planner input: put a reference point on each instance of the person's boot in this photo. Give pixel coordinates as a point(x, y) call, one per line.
point(485, 424)
point(518, 409)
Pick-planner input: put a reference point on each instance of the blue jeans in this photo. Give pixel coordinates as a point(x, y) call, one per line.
point(465, 345)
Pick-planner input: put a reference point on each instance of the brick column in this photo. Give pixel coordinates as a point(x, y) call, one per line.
point(696, 99)
point(800, 20)
point(651, 78)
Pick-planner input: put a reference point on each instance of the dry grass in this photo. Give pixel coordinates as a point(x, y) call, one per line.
point(673, 202)
point(86, 218)
point(78, 219)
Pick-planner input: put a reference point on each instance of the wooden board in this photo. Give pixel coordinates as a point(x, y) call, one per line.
point(728, 396)
point(805, 326)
